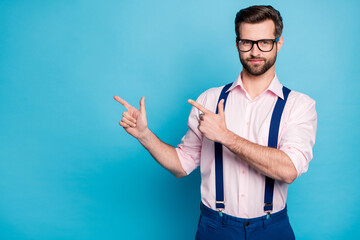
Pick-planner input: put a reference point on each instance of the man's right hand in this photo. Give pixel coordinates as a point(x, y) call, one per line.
point(134, 121)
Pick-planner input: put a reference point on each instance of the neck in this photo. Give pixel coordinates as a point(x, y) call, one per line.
point(255, 85)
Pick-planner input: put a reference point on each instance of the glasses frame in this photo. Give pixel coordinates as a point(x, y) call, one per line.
point(257, 44)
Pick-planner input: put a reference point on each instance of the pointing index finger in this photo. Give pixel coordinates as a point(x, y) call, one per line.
point(123, 102)
point(198, 106)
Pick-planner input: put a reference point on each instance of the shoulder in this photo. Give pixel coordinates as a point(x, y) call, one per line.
point(297, 98)
point(299, 105)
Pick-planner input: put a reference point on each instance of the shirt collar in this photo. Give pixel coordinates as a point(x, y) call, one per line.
point(275, 86)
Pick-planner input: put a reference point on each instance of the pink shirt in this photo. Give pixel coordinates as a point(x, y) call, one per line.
point(249, 118)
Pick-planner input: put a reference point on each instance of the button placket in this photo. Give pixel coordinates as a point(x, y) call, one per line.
point(247, 119)
point(244, 191)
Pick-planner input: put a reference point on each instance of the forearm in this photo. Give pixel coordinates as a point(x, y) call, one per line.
point(163, 153)
point(269, 161)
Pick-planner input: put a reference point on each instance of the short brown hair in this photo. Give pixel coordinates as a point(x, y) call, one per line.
point(257, 14)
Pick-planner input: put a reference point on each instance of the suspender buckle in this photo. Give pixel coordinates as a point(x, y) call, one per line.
point(268, 207)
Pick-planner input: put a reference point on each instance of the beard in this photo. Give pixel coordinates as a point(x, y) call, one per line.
point(257, 69)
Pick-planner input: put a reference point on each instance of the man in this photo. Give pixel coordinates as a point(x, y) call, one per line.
point(251, 139)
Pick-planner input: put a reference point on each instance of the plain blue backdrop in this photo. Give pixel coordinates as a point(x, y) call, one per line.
point(69, 171)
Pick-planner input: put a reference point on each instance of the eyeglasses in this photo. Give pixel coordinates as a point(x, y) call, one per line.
point(265, 45)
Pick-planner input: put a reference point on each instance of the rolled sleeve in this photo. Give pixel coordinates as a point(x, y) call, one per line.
point(189, 150)
point(298, 137)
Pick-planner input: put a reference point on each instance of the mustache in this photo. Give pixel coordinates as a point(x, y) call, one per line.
point(250, 59)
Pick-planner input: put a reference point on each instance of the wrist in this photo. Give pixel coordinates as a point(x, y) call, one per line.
point(227, 137)
point(144, 135)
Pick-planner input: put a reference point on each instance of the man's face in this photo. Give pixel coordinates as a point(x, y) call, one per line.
point(256, 62)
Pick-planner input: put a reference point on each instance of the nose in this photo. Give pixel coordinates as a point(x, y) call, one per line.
point(255, 51)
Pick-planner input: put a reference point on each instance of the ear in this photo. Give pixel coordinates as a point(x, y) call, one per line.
point(279, 43)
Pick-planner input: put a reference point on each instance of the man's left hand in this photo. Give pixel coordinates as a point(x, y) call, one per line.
point(211, 125)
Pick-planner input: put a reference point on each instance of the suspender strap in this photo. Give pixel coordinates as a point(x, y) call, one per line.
point(219, 183)
point(272, 142)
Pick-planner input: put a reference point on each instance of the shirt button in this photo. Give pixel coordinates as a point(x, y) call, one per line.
point(247, 224)
point(248, 123)
point(243, 171)
point(242, 195)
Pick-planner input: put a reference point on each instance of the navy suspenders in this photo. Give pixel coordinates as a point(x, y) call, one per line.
point(219, 183)
point(272, 142)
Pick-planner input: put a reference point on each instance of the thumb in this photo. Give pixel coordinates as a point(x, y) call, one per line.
point(142, 106)
point(221, 107)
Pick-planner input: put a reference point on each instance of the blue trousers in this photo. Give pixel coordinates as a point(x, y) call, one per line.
point(214, 227)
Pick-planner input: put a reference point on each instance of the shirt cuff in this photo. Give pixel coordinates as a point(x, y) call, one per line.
point(298, 159)
point(187, 163)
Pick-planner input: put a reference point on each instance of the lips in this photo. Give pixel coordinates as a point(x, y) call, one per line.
point(256, 61)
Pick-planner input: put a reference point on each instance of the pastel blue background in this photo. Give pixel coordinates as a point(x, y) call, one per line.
point(69, 171)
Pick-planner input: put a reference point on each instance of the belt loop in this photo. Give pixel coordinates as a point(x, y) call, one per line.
point(264, 222)
point(225, 220)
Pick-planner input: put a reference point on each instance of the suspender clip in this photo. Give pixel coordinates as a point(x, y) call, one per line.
point(268, 208)
point(220, 209)
point(220, 212)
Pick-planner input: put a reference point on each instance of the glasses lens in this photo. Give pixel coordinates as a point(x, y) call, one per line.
point(265, 45)
point(245, 45)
